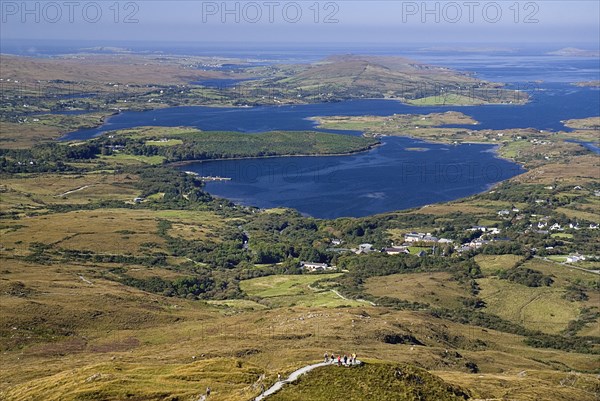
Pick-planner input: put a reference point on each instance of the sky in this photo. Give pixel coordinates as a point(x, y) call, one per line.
point(344, 21)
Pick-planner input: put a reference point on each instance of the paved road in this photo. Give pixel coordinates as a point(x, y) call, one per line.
point(346, 299)
point(292, 378)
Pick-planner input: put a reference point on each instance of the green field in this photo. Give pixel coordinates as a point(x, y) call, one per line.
point(277, 286)
point(448, 99)
point(491, 264)
point(133, 159)
point(513, 149)
point(562, 235)
point(168, 142)
point(541, 308)
point(280, 291)
point(417, 249)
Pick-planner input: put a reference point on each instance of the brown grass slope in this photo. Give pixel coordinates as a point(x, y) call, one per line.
point(131, 69)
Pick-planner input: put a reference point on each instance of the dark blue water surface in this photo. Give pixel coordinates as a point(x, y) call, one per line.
point(220, 83)
point(403, 172)
point(400, 174)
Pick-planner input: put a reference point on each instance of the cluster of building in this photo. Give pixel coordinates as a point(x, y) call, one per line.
point(488, 235)
point(543, 227)
point(506, 212)
point(486, 230)
point(425, 237)
point(313, 267)
point(415, 241)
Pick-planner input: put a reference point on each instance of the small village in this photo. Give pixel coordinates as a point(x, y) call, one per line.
point(423, 244)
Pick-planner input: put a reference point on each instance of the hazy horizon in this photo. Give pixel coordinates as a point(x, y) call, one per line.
point(559, 23)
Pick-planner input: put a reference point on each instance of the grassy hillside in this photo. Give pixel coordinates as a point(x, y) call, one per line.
point(437, 289)
point(372, 381)
point(29, 131)
point(138, 381)
point(356, 76)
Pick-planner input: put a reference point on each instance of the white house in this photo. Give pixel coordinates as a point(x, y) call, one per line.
point(575, 258)
point(314, 267)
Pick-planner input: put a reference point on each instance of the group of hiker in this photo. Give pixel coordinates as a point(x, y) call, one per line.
point(346, 360)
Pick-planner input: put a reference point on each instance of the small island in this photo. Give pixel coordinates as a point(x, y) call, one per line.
point(528, 146)
point(574, 52)
point(418, 125)
point(587, 84)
